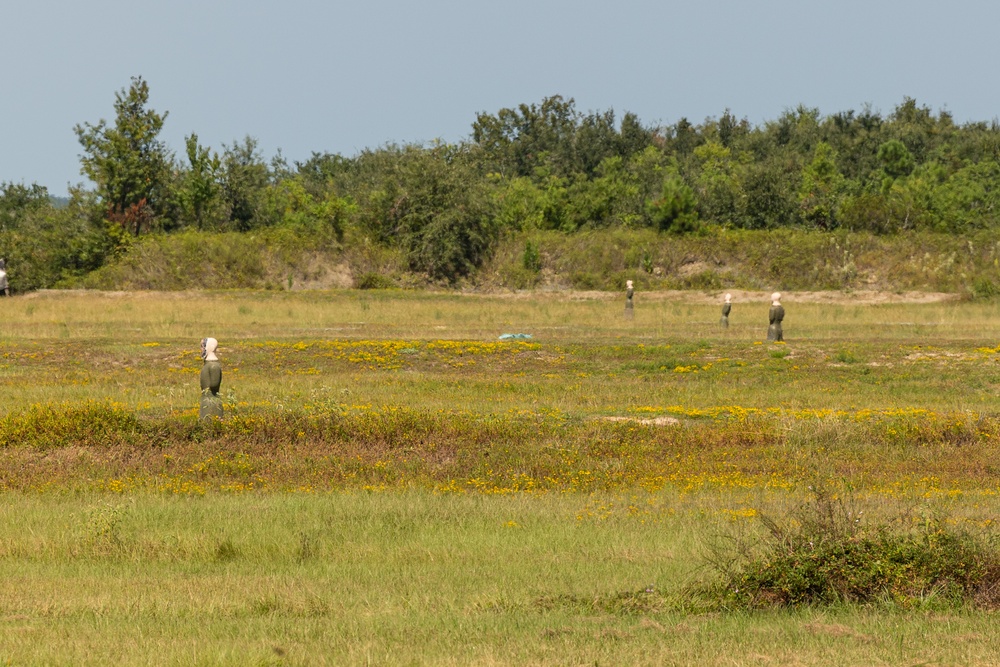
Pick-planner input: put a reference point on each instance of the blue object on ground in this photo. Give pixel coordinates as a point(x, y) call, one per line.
point(516, 336)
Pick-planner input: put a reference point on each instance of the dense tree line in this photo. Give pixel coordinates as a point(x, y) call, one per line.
point(537, 166)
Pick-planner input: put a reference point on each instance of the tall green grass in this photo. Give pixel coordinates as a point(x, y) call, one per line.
point(409, 578)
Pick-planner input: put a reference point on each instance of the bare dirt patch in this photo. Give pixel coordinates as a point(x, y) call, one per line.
point(654, 421)
point(319, 274)
point(693, 268)
point(865, 297)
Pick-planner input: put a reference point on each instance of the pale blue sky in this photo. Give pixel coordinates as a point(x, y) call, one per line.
point(341, 77)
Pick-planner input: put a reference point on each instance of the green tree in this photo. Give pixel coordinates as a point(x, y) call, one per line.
point(718, 188)
point(900, 204)
point(517, 141)
point(127, 161)
point(896, 160)
point(18, 200)
point(594, 139)
point(730, 130)
point(290, 203)
point(855, 138)
point(199, 193)
point(555, 200)
point(768, 197)
point(51, 246)
point(647, 170)
point(245, 180)
point(323, 171)
point(797, 130)
point(908, 201)
point(675, 210)
point(682, 138)
point(378, 189)
point(916, 127)
point(519, 204)
point(613, 197)
point(970, 198)
point(633, 136)
point(821, 188)
point(435, 204)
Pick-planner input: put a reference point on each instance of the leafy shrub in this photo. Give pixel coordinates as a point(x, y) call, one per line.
point(704, 280)
point(48, 245)
point(373, 280)
point(984, 288)
point(826, 554)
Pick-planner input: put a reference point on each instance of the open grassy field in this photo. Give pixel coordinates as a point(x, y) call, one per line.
point(393, 485)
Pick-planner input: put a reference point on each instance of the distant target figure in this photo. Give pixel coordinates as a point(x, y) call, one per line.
point(727, 307)
point(775, 316)
point(211, 380)
point(629, 308)
point(4, 283)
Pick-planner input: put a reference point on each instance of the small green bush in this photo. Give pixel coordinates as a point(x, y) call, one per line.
point(826, 554)
point(704, 280)
point(374, 281)
point(846, 357)
point(865, 568)
point(532, 259)
point(984, 288)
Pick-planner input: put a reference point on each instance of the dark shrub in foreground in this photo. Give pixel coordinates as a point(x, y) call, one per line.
point(826, 555)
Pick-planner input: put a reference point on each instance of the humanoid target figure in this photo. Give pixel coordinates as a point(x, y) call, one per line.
point(775, 315)
point(629, 292)
point(211, 380)
point(727, 307)
point(4, 283)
